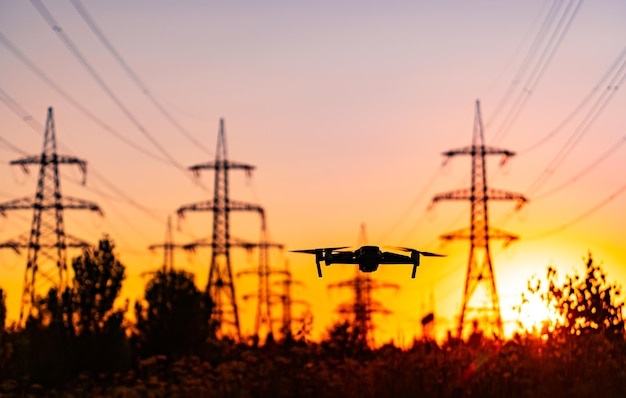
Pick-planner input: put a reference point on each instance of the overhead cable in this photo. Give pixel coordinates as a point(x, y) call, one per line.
point(131, 73)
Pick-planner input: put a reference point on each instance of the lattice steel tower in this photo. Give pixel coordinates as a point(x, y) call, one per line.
point(287, 302)
point(263, 318)
point(169, 247)
point(362, 307)
point(220, 285)
point(481, 305)
point(46, 264)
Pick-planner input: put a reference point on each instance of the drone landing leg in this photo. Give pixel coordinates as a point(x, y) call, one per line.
point(415, 265)
point(319, 269)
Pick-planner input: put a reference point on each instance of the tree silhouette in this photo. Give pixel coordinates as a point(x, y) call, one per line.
point(345, 339)
point(99, 330)
point(3, 311)
point(5, 348)
point(97, 283)
point(586, 305)
point(174, 320)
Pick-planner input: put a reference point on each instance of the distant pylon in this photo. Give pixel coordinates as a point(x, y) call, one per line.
point(46, 264)
point(220, 285)
point(363, 306)
point(169, 247)
point(286, 301)
point(263, 318)
point(263, 270)
point(484, 311)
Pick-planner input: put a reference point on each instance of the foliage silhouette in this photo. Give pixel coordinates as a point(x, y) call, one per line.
point(174, 360)
point(585, 305)
point(175, 319)
point(5, 347)
point(98, 327)
point(344, 340)
point(77, 330)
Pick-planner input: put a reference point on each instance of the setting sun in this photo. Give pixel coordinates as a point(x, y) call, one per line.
point(535, 314)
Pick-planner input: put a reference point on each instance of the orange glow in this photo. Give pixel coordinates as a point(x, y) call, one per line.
point(535, 314)
point(345, 111)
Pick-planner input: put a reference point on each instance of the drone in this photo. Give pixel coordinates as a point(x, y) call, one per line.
point(367, 257)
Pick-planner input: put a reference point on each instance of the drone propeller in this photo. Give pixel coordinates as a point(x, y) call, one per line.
point(309, 251)
point(426, 254)
point(319, 255)
point(322, 250)
point(415, 255)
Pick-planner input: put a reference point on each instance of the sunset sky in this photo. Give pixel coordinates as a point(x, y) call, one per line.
point(345, 109)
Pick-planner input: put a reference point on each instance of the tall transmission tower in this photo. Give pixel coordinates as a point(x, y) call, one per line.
point(263, 271)
point(220, 286)
point(481, 305)
point(362, 307)
point(47, 245)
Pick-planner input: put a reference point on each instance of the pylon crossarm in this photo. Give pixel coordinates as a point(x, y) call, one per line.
point(349, 283)
point(72, 241)
point(166, 246)
point(210, 206)
point(495, 233)
point(191, 247)
point(199, 206)
point(224, 164)
point(463, 233)
point(383, 285)
point(60, 159)
point(234, 205)
point(73, 203)
point(498, 194)
point(249, 271)
point(34, 159)
point(470, 150)
point(16, 204)
point(11, 245)
point(459, 194)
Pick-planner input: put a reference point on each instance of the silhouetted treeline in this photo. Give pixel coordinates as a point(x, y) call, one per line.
point(77, 343)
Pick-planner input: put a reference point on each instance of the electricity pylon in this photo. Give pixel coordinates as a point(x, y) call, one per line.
point(46, 264)
point(169, 247)
point(287, 302)
point(263, 271)
point(362, 306)
point(220, 285)
point(482, 312)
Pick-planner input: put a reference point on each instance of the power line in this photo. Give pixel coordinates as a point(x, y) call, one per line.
point(13, 147)
point(417, 199)
point(582, 128)
point(605, 155)
point(584, 102)
point(582, 216)
point(33, 123)
point(19, 55)
point(534, 47)
point(133, 76)
point(47, 16)
point(19, 111)
point(539, 69)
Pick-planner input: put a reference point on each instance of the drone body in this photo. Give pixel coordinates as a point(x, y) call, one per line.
point(367, 257)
